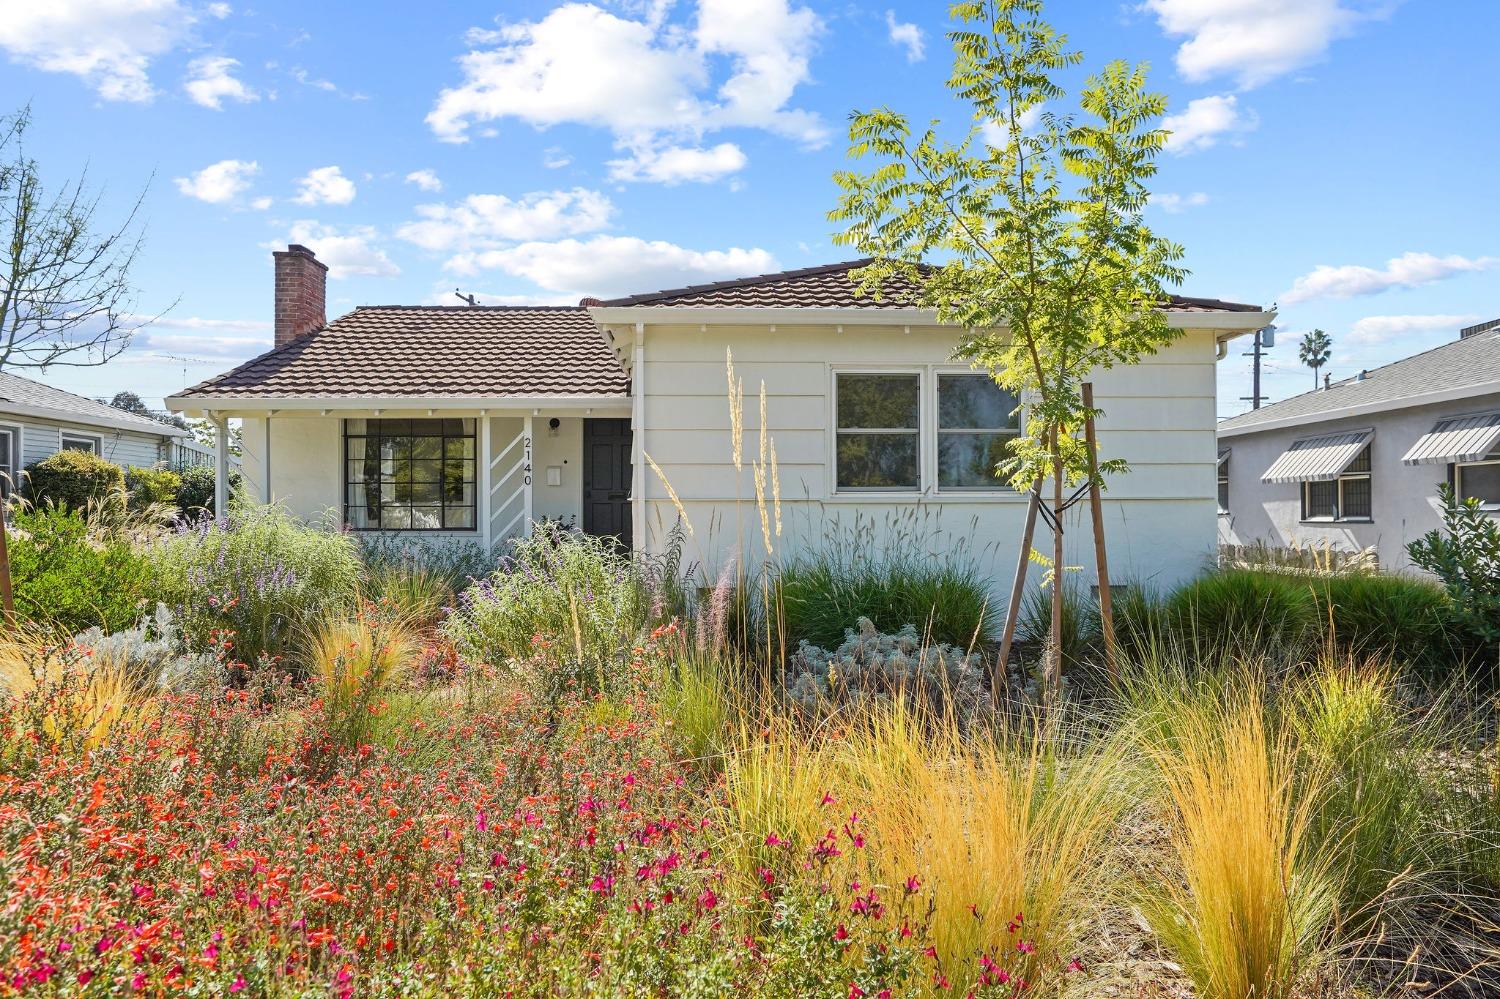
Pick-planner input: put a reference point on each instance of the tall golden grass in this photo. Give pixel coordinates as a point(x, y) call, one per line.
point(66, 695)
point(349, 655)
point(997, 831)
point(1257, 890)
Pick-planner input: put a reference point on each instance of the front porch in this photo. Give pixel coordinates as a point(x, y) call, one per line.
point(486, 474)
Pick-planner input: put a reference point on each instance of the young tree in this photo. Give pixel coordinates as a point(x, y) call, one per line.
point(1314, 351)
point(65, 292)
point(1026, 232)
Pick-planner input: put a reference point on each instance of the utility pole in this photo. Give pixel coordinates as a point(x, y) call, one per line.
point(1264, 339)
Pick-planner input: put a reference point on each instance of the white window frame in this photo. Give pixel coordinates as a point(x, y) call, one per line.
point(1493, 458)
point(17, 462)
point(927, 439)
point(1339, 516)
point(95, 445)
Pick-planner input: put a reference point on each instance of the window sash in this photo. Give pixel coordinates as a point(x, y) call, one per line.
point(411, 475)
point(1332, 501)
point(7, 461)
point(1491, 468)
point(73, 442)
point(858, 467)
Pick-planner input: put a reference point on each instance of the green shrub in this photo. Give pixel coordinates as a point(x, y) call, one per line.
point(72, 478)
point(819, 595)
point(1080, 621)
point(152, 487)
point(66, 580)
point(572, 594)
point(197, 490)
point(1403, 618)
point(1465, 557)
point(260, 573)
point(1244, 612)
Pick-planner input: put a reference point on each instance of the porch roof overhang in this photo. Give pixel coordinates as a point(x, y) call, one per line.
point(1318, 459)
point(1456, 439)
point(250, 405)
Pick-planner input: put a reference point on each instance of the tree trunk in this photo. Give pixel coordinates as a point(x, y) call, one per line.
point(1101, 559)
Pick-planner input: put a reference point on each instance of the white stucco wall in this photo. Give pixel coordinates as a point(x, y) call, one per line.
point(1160, 518)
point(1404, 502)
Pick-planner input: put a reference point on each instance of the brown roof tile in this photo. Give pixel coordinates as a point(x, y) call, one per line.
point(434, 352)
point(829, 287)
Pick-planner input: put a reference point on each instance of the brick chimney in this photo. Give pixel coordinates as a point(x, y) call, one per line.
point(300, 295)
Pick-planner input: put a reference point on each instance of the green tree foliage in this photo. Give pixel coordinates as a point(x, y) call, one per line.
point(1465, 557)
point(1314, 351)
point(72, 478)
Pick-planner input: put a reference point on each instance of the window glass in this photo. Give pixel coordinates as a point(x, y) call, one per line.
point(878, 438)
point(1481, 482)
point(1224, 487)
point(1320, 499)
point(410, 475)
point(80, 444)
point(1356, 498)
point(7, 461)
point(977, 420)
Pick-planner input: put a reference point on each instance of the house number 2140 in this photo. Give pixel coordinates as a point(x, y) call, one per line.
point(526, 459)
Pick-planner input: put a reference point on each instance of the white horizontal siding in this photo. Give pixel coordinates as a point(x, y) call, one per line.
point(42, 438)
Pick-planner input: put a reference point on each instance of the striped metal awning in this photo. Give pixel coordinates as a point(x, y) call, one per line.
point(1223, 456)
point(1461, 438)
point(1318, 459)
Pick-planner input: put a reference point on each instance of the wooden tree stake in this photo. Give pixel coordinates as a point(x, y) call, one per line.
point(1096, 507)
point(1017, 590)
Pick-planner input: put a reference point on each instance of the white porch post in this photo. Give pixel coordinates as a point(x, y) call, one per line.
point(638, 441)
point(484, 485)
point(221, 464)
point(528, 478)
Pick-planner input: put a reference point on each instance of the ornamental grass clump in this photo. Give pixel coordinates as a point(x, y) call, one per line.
point(356, 663)
point(260, 573)
point(58, 696)
point(573, 595)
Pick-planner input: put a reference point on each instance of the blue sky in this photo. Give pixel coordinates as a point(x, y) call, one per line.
point(1334, 156)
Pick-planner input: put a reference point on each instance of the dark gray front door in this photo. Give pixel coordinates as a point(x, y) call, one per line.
point(606, 479)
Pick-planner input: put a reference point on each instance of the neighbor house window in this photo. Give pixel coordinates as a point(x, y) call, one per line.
point(1224, 481)
point(409, 475)
point(8, 457)
point(879, 419)
point(71, 442)
point(1344, 498)
point(977, 421)
point(1480, 480)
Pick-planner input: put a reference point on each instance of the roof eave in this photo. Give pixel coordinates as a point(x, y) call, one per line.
point(1231, 323)
point(202, 405)
point(82, 420)
point(1345, 412)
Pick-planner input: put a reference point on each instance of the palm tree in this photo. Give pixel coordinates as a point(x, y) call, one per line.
point(1314, 351)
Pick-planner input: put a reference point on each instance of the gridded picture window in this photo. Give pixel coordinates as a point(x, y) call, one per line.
point(409, 475)
point(1349, 497)
point(879, 431)
point(1480, 480)
point(977, 421)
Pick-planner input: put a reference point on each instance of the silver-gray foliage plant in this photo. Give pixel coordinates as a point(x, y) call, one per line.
point(154, 652)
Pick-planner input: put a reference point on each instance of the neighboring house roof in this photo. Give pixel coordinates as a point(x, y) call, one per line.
point(1454, 370)
point(830, 287)
point(433, 352)
point(25, 397)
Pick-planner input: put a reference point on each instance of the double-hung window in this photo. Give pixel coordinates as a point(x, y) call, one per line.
point(1479, 480)
point(409, 475)
point(1347, 497)
point(77, 442)
point(911, 431)
point(9, 448)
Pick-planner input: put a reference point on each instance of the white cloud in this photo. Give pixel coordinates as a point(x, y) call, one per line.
point(1174, 204)
point(325, 186)
point(261, 204)
point(906, 35)
point(555, 158)
point(427, 180)
point(1254, 40)
point(676, 164)
point(107, 43)
point(348, 251)
point(219, 10)
point(486, 220)
point(615, 265)
point(997, 134)
point(640, 79)
point(1373, 331)
point(219, 183)
point(1204, 121)
point(210, 81)
point(305, 78)
point(444, 296)
point(1406, 271)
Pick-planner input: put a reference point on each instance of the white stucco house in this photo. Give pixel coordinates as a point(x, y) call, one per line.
point(38, 420)
point(476, 421)
point(1357, 464)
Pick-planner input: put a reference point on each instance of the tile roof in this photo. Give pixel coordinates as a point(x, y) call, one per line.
point(65, 406)
point(432, 352)
point(1473, 362)
point(830, 287)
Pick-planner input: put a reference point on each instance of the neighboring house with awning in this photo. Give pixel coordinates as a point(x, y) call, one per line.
point(38, 420)
point(1357, 464)
point(614, 417)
